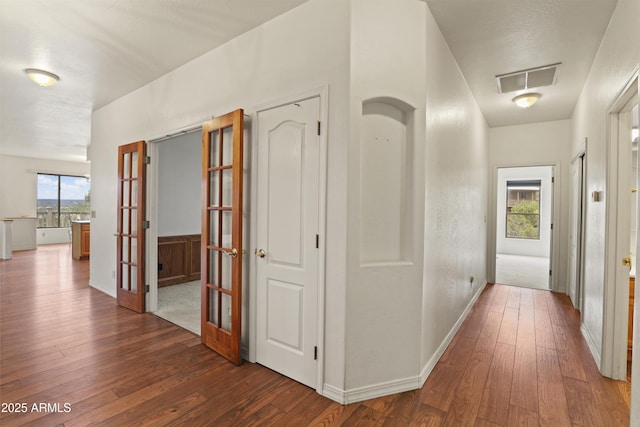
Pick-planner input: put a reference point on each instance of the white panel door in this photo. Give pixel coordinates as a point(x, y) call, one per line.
point(287, 254)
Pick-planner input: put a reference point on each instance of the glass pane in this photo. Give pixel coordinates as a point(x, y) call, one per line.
point(134, 250)
point(74, 200)
point(213, 267)
point(134, 221)
point(125, 221)
point(214, 154)
point(126, 170)
point(213, 228)
point(125, 249)
point(226, 312)
point(134, 193)
point(134, 164)
point(225, 281)
point(47, 200)
point(227, 187)
point(125, 276)
point(214, 194)
point(126, 193)
point(213, 307)
point(134, 278)
point(227, 146)
point(523, 209)
point(226, 228)
point(523, 226)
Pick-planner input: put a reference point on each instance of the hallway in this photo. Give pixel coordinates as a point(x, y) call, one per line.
point(518, 359)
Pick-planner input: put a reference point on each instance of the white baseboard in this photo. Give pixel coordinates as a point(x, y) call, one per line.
point(428, 367)
point(371, 391)
point(592, 346)
point(104, 291)
point(400, 385)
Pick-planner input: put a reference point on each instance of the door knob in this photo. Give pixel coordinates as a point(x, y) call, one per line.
point(260, 253)
point(626, 261)
point(232, 253)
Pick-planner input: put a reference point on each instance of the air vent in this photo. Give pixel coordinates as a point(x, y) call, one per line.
point(528, 79)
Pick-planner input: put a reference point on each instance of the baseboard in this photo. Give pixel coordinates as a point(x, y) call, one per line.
point(334, 393)
point(428, 367)
point(595, 353)
point(373, 391)
point(405, 384)
point(104, 291)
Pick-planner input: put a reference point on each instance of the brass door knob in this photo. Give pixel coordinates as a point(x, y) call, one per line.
point(260, 253)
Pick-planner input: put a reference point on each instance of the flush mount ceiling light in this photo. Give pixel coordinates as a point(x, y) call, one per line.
point(42, 78)
point(526, 100)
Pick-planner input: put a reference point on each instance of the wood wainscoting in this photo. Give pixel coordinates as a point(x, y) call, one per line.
point(178, 259)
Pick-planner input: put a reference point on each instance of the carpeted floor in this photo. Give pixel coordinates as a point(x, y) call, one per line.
point(180, 304)
point(526, 271)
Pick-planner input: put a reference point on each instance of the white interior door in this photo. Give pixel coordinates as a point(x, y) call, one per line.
point(287, 235)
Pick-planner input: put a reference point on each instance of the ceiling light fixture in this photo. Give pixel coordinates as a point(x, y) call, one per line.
point(526, 100)
point(42, 78)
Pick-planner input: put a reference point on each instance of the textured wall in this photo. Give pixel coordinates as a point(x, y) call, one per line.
point(301, 50)
point(614, 65)
point(456, 193)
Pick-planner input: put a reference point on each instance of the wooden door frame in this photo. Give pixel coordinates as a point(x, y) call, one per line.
point(322, 94)
point(613, 355)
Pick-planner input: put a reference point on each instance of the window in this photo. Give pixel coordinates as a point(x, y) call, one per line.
point(523, 209)
point(62, 199)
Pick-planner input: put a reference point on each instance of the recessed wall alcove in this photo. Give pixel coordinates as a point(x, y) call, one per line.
point(386, 181)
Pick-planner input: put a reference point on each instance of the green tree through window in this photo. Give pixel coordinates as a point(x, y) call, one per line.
point(523, 209)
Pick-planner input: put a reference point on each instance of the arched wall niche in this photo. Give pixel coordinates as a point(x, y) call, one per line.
point(386, 181)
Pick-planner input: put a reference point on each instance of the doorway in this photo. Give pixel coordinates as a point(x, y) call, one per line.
point(178, 223)
point(524, 226)
point(621, 236)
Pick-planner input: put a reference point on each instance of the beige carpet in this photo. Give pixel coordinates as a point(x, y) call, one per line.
point(180, 304)
point(525, 271)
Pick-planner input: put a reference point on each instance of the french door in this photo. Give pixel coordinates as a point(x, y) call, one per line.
point(130, 253)
point(221, 260)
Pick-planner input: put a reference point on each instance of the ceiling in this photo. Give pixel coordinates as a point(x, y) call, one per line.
point(493, 37)
point(104, 49)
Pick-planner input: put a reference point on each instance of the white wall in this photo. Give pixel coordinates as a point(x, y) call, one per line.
point(544, 143)
point(456, 193)
point(19, 189)
point(384, 290)
point(301, 50)
point(615, 62)
point(179, 179)
point(529, 247)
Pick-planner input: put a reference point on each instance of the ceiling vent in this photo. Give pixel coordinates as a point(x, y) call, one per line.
point(528, 79)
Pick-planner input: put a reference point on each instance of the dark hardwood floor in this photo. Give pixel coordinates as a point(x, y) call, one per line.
point(519, 359)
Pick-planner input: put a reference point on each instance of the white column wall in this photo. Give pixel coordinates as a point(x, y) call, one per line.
point(383, 298)
point(304, 49)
